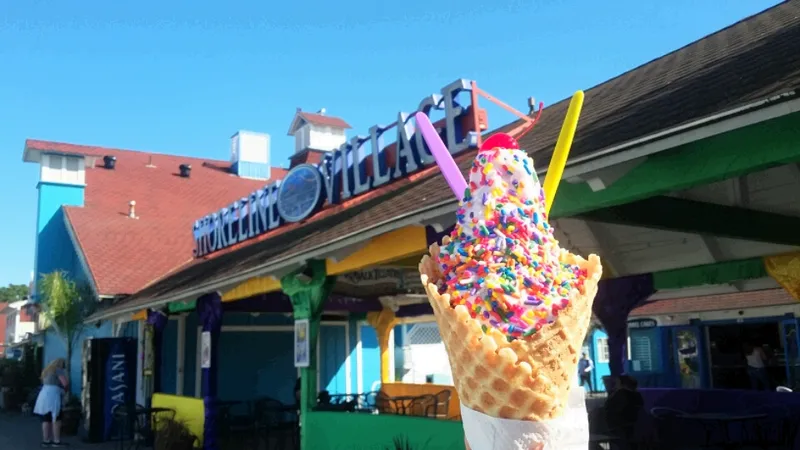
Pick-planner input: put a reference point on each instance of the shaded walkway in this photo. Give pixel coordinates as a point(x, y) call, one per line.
point(19, 432)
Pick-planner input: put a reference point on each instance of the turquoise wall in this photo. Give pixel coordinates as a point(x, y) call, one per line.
point(333, 353)
point(353, 326)
point(190, 355)
point(54, 250)
point(169, 355)
point(370, 359)
point(256, 364)
point(54, 348)
point(265, 368)
point(130, 329)
point(601, 368)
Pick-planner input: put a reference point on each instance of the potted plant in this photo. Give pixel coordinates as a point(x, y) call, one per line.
point(171, 434)
point(70, 416)
point(403, 443)
point(12, 383)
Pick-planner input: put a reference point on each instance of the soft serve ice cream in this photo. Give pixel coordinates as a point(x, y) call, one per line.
point(502, 261)
point(513, 309)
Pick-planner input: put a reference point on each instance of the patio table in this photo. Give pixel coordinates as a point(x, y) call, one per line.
point(143, 422)
point(710, 421)
point(403, 404)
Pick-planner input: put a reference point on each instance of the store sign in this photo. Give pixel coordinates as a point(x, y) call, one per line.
point(300, 193)
point(380, 281)
point(116, 385)
point(642, 324)
point(358, 166)
point(205, 350)
point(302, 346)
point(149, 354)
point(371, 277)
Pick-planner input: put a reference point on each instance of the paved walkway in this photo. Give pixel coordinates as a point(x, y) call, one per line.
point(19, 432)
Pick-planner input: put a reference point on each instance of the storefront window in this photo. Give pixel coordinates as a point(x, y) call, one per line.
point(688, 358)
point(644, 347)
point(602, 350)
point(641, 353)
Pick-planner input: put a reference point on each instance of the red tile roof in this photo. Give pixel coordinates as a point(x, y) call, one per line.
point(124, 254)
point(320, 119)
point(739, 300)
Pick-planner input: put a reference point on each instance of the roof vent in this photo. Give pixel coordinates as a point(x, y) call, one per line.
point(109, 162)
point(132, 209)
point(186, 170)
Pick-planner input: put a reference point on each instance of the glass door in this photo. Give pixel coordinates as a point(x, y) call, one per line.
point(791, 349)
point(687, 348)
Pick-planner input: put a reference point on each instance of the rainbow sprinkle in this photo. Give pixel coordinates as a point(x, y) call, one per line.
point(503, 262)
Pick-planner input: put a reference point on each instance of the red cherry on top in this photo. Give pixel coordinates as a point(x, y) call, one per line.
point(500, 140)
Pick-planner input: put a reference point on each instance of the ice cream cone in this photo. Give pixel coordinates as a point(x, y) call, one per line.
point(524, 379)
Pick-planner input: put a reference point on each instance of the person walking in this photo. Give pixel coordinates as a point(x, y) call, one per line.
point(623, 408)
point(585, 368)
point(756, 367)
point(48, 402)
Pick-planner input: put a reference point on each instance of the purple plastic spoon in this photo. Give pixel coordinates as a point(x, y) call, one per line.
point(442, 156)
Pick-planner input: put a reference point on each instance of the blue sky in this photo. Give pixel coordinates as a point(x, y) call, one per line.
point(182, 76)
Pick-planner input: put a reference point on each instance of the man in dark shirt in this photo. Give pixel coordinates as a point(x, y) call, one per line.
point(623, 407)
point(585, 367)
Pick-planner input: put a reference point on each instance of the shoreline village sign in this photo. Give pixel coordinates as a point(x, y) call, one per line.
point(348, 171)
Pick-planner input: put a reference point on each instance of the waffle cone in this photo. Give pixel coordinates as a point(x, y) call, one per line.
point(525, 379)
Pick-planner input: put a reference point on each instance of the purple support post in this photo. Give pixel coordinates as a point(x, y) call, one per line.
point(616, 298)
point(209, 309)
point(158, 320)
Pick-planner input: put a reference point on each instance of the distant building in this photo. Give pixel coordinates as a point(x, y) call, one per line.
point(18, 323)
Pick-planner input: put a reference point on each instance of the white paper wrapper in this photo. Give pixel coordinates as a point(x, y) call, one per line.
point(568, 432)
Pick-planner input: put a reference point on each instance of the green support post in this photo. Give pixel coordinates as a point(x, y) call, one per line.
point(308, 298)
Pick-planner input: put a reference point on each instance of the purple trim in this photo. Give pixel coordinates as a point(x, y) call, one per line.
point(273, 302)
point(159, 320)
point(209, 309)
point(278, 302)
point(616, 298)
point(352, 304)
point(431, 235)
point(417, 309)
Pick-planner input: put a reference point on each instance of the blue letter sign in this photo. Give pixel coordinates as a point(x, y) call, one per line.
point(356, 167)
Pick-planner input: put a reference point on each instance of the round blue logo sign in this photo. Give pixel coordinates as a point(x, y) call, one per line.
point(300, 193)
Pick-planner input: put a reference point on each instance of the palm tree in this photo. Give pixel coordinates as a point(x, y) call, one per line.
point(65, 305)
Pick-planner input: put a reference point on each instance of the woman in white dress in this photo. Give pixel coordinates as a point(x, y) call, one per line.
point(48, 403)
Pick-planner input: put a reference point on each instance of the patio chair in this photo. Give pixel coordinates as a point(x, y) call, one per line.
point(422, 406)
point(343, 402)
point(666, 429)
point(236, 431)
point(276, 422)
point(778, 429)
point(122, 427)
point(442, 403)
point(384, 404)
point(138, 427)
point(366, 402)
